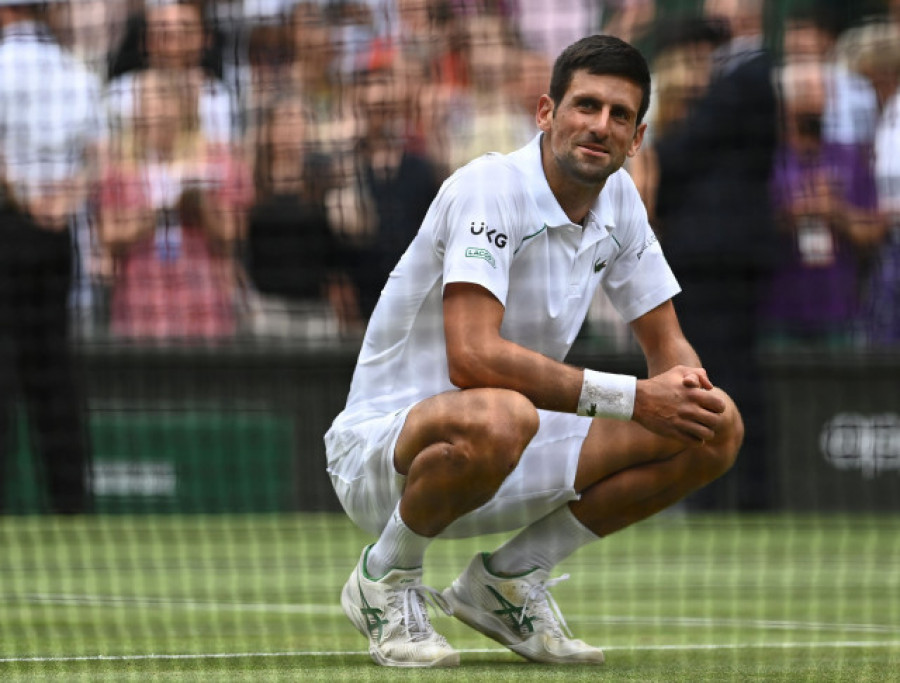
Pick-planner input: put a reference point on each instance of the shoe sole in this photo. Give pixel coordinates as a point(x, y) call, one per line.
point(496, 629)
point(451, 659)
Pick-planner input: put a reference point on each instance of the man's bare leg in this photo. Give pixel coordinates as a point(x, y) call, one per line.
point(615, 501)
point(625, 475)
point(455, 450)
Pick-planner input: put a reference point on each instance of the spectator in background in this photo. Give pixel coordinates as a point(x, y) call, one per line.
point(851, 104)
point(630, 20)
point(824, 196)
point(90, 29)
point(878, 56)
point(492, 115)
point(353, 31)
point(424, 34)
point(269, 57)
point(87, 29)
point(50, 123)
point(682, 69)
point(293, 257)
point(548, 27)
point(172, 37)
point(313, 71)
point(715, 221)
point(429, 44)
point(171, 211)
point(681, 73)
point(388, 185)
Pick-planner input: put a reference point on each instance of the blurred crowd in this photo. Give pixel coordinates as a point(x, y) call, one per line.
point(204, 170)
point(256, 167)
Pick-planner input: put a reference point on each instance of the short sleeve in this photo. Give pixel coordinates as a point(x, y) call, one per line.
point(474, 230)
point(640, 278)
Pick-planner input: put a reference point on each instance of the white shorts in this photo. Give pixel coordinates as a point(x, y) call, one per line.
point(361, 466)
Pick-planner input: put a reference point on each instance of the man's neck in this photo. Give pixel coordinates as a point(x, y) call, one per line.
point(575, 199)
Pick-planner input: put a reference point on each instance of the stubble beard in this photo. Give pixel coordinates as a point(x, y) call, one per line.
point(583, 172)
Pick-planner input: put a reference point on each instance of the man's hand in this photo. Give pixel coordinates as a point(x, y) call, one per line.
point(678, 404)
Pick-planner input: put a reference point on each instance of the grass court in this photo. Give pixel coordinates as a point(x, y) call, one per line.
point(682, 597)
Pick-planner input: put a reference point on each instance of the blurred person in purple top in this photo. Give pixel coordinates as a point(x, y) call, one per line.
point(824, 196)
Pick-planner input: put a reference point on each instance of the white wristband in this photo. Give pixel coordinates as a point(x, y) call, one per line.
point(607, 395)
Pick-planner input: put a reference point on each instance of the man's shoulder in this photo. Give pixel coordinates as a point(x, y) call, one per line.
point(494, 172)
point(492, 162)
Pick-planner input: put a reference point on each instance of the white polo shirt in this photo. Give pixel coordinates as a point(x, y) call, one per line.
point(496, 223)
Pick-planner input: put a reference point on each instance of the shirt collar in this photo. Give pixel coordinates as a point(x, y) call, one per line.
point(528, 160)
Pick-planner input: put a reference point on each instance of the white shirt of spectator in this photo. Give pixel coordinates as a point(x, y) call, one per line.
point(851, 110)
point(887, 158)
point(217, 108)
point(50, 111)
point(496, 223)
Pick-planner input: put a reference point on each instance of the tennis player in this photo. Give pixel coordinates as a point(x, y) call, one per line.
point(463, 418)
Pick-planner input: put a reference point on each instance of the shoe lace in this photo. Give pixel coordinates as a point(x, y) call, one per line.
point(414, 606)
point(540, 603)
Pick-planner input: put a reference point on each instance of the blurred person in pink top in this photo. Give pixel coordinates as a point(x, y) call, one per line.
point(171, 213)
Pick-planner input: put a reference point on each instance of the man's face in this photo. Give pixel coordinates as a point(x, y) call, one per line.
point(174, 35)
point(802, 40)
point(594, 128)
point(382, 102)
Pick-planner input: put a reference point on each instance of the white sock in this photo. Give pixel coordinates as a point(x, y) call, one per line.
point(542, 545)
point(398, 547)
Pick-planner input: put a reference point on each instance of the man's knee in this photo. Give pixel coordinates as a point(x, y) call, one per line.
point(500, 432)
point(486, 448)
point(719, 455)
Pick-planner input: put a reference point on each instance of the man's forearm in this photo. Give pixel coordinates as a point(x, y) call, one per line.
point(677, 352)
point(549, 384)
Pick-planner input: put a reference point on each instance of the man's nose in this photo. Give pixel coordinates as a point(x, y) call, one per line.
point(600, 122)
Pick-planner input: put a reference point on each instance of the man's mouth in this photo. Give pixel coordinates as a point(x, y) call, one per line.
point(594, 149)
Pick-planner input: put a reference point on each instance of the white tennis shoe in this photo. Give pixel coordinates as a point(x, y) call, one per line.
point(518, 612)
point(392, 613)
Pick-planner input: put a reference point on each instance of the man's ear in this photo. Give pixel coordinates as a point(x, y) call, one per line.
point(544, 115)
point(637, 140)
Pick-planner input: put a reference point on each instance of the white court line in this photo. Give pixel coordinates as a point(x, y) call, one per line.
point(319, 609)
point(166, 603)
point(312, 653)
point(706, 622)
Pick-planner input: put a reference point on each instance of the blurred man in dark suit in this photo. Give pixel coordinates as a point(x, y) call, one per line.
point(716, 223)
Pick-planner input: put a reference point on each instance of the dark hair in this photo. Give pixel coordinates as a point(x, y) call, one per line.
point(601, 55)
point(825, 19)
point(685, 31)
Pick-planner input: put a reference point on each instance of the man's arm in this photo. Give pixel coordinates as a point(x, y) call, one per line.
point(664, 345)
point(675, 403)
point(479, 357)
